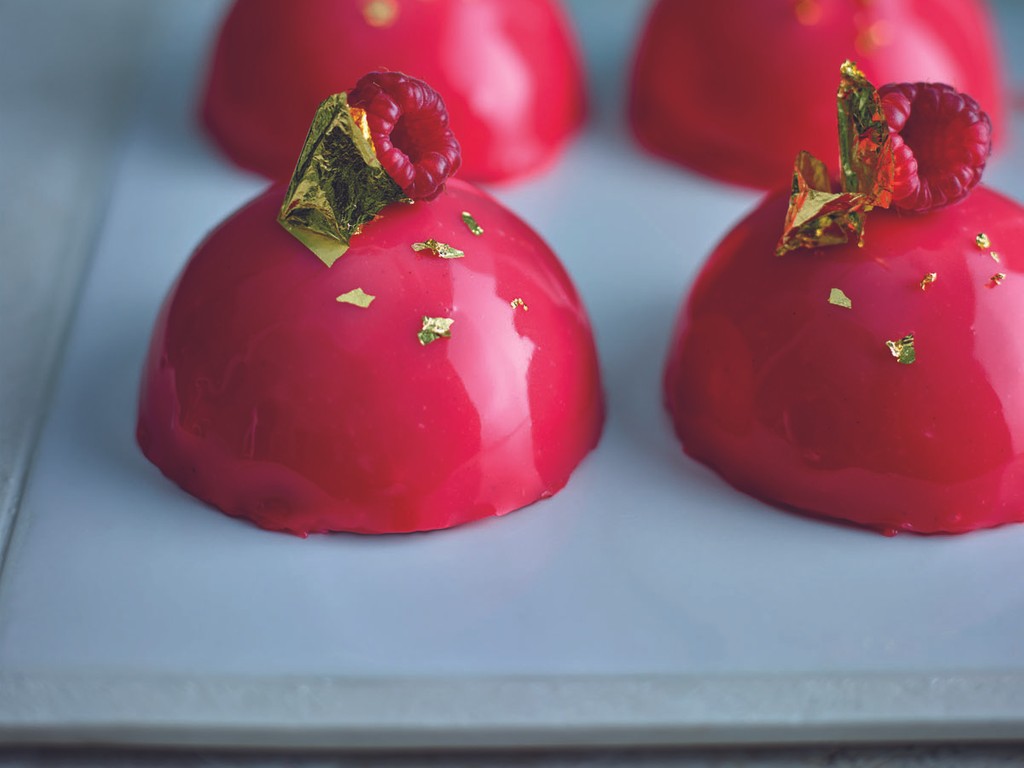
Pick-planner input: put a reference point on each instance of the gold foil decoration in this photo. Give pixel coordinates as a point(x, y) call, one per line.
point(840, 299)
point(903, 350)
point(470, 222)
point(435, 328)
point(928, 279)
point(982, 241)
point(997, 278)
point(994, 255)
point(441, 250)
point(866, 159)
point(338, 184)
point(518, 302)
point(357, 297)
point(819, 217)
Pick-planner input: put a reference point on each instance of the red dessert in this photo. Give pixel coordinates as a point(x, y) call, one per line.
point(441, 371)
point(510, 73)
point(881, 384)
point(735, 88)
point(799, 401)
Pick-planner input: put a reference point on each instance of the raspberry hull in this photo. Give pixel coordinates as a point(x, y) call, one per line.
point(509, 73)
point(734, 89)
point(798, 402)
point(267, 398)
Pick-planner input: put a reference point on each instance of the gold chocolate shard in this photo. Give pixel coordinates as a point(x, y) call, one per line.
point(928, 279)
point(471, 224)
point(903, 350)
point(442, 250)
point(840, 299)
point(435, 328)
point(816, 215)
point(866, 158)
point(338, 184)
point(357, 297)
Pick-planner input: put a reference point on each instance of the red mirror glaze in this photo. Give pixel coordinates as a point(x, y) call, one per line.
point(800, 403)
point(509, 72)
point(736, 88)
point(267, 398)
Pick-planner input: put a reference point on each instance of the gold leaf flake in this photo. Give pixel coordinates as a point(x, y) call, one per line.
point(442, 250)
point(840, 299)
point(338, 184)
point(470, 222)
point(903, 350)
point(435, 328)
point(518, 302)
point(998, 278)
point(928, 279)
point(982, 241)
point(995, 256)
point(357, 297)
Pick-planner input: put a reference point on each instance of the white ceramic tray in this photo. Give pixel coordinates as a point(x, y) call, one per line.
point(648, 603)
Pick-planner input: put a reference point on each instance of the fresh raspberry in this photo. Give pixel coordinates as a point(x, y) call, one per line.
point(941, 140)
point(409, 128)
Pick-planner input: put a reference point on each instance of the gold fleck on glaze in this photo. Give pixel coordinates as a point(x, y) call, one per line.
point(356, 297)
point(982, 241)
point(840, 299)
point(434, 328)
point(441, 250)
point(903, 350)
point(518, 302)
point(928, 279)
point(471, 225)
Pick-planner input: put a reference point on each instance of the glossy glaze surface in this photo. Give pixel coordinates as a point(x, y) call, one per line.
point(799, 402)
point(509, 73)
point(761, 75)
point(267, 398)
